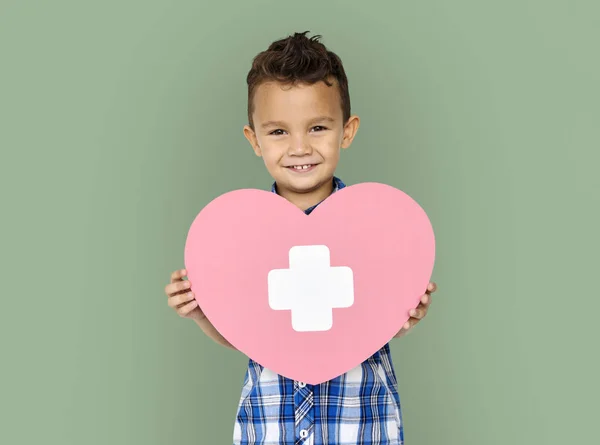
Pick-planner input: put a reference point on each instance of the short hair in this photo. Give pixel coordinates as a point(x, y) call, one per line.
point(298, 59)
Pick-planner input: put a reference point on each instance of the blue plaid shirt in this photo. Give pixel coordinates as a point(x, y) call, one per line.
point(361, 407)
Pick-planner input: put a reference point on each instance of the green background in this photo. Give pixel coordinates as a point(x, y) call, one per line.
point(121, 119)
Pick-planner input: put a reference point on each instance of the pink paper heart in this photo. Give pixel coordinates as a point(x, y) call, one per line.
point(381, 234)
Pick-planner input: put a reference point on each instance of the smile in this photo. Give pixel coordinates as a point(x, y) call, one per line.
point(302, 168)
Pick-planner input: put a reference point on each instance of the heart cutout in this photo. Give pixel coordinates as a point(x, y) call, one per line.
point(380, 247)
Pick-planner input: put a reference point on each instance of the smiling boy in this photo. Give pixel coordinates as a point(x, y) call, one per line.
point(298, 121)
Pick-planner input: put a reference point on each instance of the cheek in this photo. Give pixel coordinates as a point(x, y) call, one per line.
point(330, 148)
point(335, 138)
point(271, 155)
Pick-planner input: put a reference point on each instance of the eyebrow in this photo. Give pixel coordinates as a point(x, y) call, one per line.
point(312, 121)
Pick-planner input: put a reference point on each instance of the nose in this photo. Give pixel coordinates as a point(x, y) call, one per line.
point(300, 146)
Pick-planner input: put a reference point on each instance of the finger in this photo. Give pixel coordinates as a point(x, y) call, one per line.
point(178, 275)
point(418, 313)
point(425, 300)
point(409, 324)
point(180, 299)
point(431, 288)
point(177, 288)
point(187, 308)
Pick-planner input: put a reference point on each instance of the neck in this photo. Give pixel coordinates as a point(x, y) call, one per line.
point(306, 200)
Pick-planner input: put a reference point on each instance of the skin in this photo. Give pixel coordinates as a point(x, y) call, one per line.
point(293, 126)
point(300, 125)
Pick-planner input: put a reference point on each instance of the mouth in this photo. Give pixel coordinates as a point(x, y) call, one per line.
point(302, 168)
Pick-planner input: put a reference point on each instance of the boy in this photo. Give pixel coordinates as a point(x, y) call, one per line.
point(298, 121)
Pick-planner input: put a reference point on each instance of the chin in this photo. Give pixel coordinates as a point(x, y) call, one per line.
point(304, 185)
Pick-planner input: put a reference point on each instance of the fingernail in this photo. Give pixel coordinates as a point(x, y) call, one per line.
point(413, 313)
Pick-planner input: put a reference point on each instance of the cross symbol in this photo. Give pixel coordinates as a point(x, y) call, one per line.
point(311, 288)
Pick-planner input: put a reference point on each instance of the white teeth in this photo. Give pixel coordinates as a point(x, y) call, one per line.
point(301, 167)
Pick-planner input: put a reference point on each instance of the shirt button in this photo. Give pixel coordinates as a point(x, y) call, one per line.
point(301, 384)
point(303, 434)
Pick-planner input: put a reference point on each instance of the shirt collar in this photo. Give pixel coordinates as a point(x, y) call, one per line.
point(338, 184)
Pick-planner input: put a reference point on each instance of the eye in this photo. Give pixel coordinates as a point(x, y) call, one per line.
point(277, 132)
point(319, 128)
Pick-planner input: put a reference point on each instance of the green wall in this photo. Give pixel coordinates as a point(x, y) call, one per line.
point(121, 119)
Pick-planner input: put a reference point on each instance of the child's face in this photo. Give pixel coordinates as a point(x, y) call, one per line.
point(299, 131)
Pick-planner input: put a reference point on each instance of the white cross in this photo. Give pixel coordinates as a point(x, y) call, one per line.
point(311, 288)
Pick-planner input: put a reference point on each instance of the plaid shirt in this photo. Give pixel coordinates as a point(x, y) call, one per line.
point(361, 407)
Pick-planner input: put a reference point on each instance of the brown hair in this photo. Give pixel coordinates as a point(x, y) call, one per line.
point(297, 59)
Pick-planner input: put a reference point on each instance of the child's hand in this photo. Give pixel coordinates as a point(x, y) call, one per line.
point(181, 298)
point(419, 313)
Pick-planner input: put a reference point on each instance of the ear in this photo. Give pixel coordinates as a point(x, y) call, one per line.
point(251, 136)
point(350, 129)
